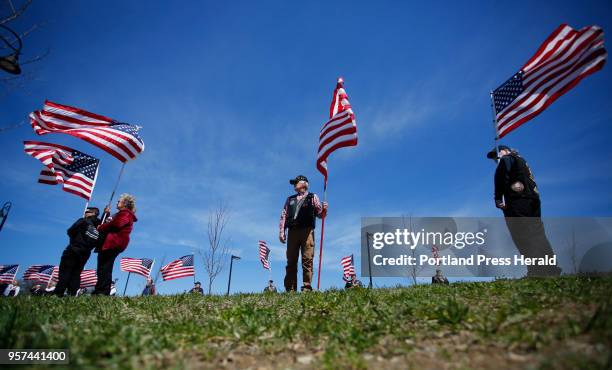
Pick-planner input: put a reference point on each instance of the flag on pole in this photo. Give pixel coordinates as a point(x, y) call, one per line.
point(561, 62)
point(179, 268)
point(341, 129)
point(7, 273)
point(120, 140)
point(63, 165)
point(40, 273)
point(140, 266)
point(348, 267)
point(264, 254)
point(88, 278)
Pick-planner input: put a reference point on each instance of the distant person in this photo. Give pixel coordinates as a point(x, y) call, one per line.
point(50, 289)
point(149, 288)
point(197, 288)
point(113, 288)
point(438, 278)
point(270, 288)
point(116, 233)
point(84, 237)
point(37, 290)
point(299, 216)
point(517, 195)
point(353, 283)
point(12, 289)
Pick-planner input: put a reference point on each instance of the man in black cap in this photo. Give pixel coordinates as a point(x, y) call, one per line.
point(197, 288)
point(84, 238)
point(299, 217)
point(517, 195)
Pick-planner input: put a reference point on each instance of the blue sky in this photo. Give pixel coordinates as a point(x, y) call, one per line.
point(231, 97)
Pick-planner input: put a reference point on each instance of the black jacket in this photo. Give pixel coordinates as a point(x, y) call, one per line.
point(511, 170)
point(83, 235)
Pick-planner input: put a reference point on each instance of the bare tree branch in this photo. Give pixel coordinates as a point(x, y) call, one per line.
point(16, 13)
point(214, 257)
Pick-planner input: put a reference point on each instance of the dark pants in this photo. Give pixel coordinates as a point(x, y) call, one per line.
point(299, 240)
point(106, 260)
point(70, 268)
point(527, 231)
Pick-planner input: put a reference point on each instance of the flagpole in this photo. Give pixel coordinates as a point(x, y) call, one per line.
point(322, 236)
point(126, 283)
point(110, 201)
point(494, 125)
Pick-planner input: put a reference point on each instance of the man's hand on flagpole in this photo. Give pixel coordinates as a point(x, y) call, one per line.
point(324, 212)
point(281, 237)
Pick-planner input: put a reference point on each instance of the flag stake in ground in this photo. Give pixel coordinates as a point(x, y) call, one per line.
point(339, 132)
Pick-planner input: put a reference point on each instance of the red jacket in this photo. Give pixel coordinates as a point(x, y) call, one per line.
point(118, 230)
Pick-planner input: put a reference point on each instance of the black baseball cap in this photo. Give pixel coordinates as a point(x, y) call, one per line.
point(297, 179)
point(493, 153)
point(95, 210)
point(197, 283)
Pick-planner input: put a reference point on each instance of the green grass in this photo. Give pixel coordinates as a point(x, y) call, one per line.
point(538, 323)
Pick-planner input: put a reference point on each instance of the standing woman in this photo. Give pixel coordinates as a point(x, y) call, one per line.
point(116, 233)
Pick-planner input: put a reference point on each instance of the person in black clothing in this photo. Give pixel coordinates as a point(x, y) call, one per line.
point(197, 288)
point(84, 238)
point(438, 278)
point(353, 283)
point(517, 195)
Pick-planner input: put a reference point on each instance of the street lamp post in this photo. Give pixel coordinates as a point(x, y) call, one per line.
point(229, 281)
point(369, 259)
point(10, 63)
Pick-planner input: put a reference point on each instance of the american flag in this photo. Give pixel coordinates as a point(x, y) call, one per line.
point(120, 140)
point(140, 266)
point(264, 254)
point(7, 273)
point(41, 273)
point(348, 267)
point(75, 170)
point(341, 129)
point(563, 60)
point(182, 267)
point(88, 278)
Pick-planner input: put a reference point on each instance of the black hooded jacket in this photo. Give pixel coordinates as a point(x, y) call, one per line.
point(84, 235)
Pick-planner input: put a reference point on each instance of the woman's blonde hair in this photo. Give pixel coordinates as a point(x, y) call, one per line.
point(129, 201)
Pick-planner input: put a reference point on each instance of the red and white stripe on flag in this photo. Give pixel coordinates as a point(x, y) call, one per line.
point(76, 171)
point(120, 140)
point(264, 254)
point(341, 129)
point(140, 266)
point(179, 268)
point(561, 62)
point(88, 278)
point(348, 268)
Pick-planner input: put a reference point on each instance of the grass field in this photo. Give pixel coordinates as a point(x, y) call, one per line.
point(529, 323)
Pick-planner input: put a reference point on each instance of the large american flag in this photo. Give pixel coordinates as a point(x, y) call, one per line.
point(140, 266)
point(40, 273)
point(348, 267)
point(7, 273)
point(88, 278)
point(179, 268)
point(264, 254)
point(341, 129)
point(63, 165)
point(120, 140)
point(563, 60)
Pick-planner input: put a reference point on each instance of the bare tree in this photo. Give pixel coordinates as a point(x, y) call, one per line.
point(572, 252)
point(414, 269)
point(214, 257)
